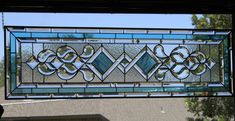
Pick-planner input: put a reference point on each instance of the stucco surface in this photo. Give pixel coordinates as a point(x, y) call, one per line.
point(139, 109)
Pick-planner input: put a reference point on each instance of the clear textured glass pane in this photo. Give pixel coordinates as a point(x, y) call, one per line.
point(37, 48)
point(52, 47)
point(114, 49)
point(134, 76)
point(26, 51)
point(170, 78)
point(26, 73)
point(215, 70)
point(38, 78)
point(133, 50)
point(206, 77)
point(115, 76)
point(53, 78)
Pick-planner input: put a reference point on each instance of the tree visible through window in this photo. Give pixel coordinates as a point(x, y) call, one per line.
point(211, 108)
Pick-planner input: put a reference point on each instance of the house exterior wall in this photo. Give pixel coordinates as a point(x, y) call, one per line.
point(134, 109)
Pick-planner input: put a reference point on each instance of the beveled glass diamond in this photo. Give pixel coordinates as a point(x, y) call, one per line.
point(102, 63)
point(191, 63)
point(78, 64)
point(32, 62)
point(146, 63)
point(210, 63)
point(124, 62)
point(56, 63)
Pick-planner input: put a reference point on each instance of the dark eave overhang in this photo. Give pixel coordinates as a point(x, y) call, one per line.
point(119, 6)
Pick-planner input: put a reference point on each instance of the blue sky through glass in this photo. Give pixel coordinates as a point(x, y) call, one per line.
point(95, 20)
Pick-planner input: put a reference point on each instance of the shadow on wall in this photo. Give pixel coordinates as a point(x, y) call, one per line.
point(1, 110)
point(95, 117)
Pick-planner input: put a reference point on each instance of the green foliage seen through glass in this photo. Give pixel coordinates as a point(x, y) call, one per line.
point(211, 108)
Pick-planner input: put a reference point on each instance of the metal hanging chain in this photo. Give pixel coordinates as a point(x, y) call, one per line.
point(2, 19)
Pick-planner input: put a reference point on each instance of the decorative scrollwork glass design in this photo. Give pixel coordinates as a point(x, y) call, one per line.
point(65, 62)
point(113, 62)
point(181, 62)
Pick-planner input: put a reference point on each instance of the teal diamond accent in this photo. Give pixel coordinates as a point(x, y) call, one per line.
point(102, 63)
point(146, 63)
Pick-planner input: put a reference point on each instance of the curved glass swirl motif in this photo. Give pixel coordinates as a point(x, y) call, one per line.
point(181, 62)
point(66, 62)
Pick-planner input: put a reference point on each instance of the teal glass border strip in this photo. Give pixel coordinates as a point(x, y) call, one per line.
point(13, 66)
point(119, 89)
point(226, 63)
point(118, 36)
point(13, 43)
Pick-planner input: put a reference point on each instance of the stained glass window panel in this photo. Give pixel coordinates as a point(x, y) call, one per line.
point(114, 62)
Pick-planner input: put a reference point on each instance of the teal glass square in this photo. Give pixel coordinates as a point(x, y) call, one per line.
point(102, 63)
point(146, 63)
